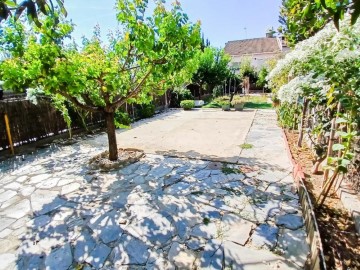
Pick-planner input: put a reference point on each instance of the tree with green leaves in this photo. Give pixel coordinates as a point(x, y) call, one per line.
point(141, 61)
point(301, 19)
point(213, 68)
point(9, 8)
point(246, 69)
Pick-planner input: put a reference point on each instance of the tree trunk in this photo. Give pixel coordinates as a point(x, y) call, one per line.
point(302, 125)
point(110, 125)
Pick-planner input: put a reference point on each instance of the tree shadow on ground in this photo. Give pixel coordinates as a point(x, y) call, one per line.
point(147, 215)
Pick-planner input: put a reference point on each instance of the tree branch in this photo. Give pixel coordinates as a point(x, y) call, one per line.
point(77, 103)
point(87, 100)
point(133, 93)
point(127, 59)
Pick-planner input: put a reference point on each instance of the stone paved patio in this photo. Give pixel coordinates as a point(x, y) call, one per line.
point(159, 213)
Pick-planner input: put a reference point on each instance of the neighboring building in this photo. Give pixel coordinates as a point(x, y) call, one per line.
point(259, 50)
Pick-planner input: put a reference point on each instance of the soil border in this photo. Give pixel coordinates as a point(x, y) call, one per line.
point(317, 258)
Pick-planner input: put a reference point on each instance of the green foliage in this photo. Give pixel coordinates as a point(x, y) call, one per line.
point(122, 119)
point(146, 111)
point(179, 94)
point(250, 102)
point(212, 68)
point(218, 91)
point(247, 70)
point(229, 170)
point(151, 54)
point(206, 220)
point(258, 105)
point(288, 115)
point(238, 100)
point(187, 104)
point(32, 8)
point(218, 102)
point(262, 74)
point(301, 19)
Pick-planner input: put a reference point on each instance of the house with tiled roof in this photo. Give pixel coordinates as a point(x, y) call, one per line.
point(258, 50)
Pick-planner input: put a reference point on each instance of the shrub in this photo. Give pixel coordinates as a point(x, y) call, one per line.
point(187, 104)
point(122, 119)
point(146, 111)
point(178, 95)
point(238, 100)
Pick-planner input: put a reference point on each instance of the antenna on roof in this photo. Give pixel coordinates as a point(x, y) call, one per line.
point(245, 29)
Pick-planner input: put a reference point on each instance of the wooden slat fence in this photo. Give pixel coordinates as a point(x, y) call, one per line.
point(29, 122)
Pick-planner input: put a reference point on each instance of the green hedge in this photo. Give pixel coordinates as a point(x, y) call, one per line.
point(187, 104)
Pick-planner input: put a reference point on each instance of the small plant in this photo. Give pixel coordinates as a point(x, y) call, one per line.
point(197, 193)
point(224, 102)
point(246, 146)
point(206, 221)
point(238, 103)
point(227, 170)
point(187, 104)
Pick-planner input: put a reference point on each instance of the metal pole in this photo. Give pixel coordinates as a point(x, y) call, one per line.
point(9, 133)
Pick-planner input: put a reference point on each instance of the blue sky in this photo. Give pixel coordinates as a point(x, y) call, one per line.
point(222, 20)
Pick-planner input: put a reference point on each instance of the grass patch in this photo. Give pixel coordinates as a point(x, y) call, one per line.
point(206, 221)
point(246, 146)
point(251, 102)
point(227, 170)
point(260, 105)
point(212, 105)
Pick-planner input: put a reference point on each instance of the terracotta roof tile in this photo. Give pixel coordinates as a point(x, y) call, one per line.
point(250, 46)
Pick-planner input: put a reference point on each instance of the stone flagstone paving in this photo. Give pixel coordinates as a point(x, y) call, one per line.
point(159, 213)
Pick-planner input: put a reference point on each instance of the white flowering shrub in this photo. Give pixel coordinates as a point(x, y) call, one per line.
point(326, 54)
point(32, 94)
point(326, 71)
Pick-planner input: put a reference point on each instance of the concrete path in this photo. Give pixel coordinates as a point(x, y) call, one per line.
point(199, 133)
point(159, 213)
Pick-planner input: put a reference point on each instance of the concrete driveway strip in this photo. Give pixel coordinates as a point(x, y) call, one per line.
point(206, 134)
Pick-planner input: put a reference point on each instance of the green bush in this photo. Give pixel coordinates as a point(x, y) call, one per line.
point(146, 111)
point(178, 95)
point(187, 104)
point(122, 119)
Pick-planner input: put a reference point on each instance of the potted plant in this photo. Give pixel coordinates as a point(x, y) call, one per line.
point(225, 105)
point(238, 103)
point(224, 102)
point(187, 105)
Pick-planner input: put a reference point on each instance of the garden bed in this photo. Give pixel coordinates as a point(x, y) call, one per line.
point(337, 229)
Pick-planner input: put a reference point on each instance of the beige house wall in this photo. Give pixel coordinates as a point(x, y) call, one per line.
point(257, 59)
